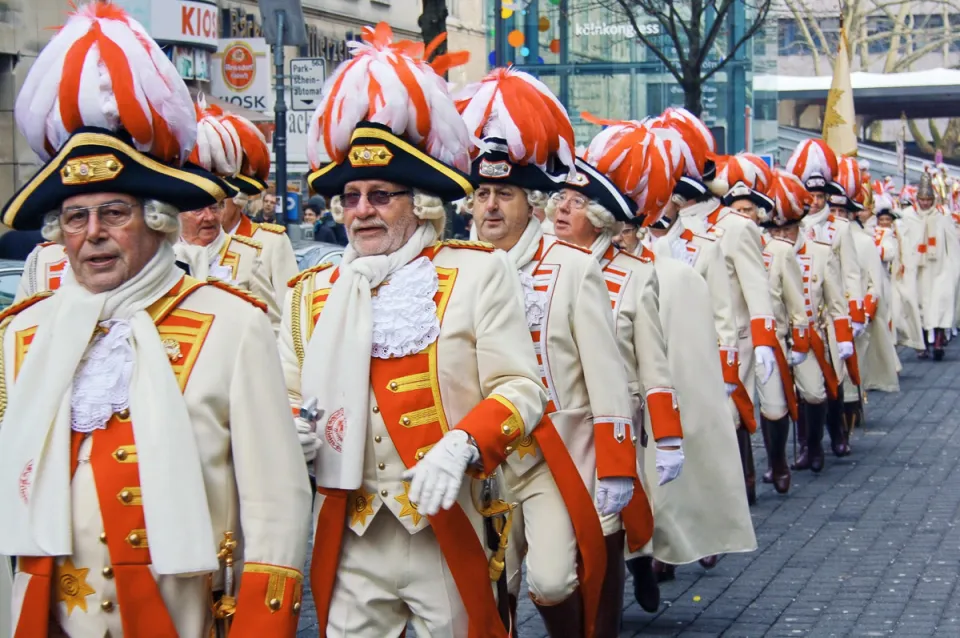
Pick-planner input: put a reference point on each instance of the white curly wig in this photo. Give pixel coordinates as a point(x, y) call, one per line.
point(425, 206)
point(535, 199)
point(597, 214)
point(159, 216)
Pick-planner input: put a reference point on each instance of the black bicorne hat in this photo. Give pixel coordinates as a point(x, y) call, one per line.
point(245, 184)
point(595, 185)
point(377, 153)
point(494, 166)
point(96, 160)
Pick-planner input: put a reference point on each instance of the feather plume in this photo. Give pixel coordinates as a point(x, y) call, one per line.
point(695, 141)
point(813, 157)
point(848, 176)
point(745, 168)
point(883, 201)
point(637, 160)
point(519, 108)
point(103, 69)
point(789, 196)
point(218, 148)
point(389, 83)
point(254, 151)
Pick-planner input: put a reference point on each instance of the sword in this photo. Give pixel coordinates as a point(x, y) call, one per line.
point(497, 521)
point(226, 607)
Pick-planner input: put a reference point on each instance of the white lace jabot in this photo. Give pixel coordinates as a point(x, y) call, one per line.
point(534, 301)
point(404, 313)
point(101, 386)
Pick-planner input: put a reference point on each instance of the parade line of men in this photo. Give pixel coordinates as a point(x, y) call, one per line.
point(574, 393)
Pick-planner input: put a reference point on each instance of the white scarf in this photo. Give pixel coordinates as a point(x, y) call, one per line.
point(695, 217)
point(526, 247)
point(204, 261)
point(336, 368)
point(35, 493)
point(600, 245)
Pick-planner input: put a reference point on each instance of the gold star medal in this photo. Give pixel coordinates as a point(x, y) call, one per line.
point(72, 587)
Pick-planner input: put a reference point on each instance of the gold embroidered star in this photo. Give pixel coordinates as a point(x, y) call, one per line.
point(72, 586)
point(526, 446)
point(409, 509)
point(832, 117)
point(361, 506)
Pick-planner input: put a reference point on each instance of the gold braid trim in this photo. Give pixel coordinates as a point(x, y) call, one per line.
point(296, 328)
point(3, 372)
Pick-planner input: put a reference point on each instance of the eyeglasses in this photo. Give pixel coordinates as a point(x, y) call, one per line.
point(376, 198)
point(112, 215)
point(574, 200)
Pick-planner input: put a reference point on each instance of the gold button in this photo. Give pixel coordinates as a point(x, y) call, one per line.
point(377, 439)
point(381, 466)
point(66, 171)
point(376, 409)
point(124, 414)
point(107, 572)
point(274, 604)
point(509, 449)
point(103, 537)
point(405, 420)
point(121, 454)
point(634, 439)
point(107, 606)
point(133, 539)
point(393, 385)
point(506, 429)
point(383, 493)
point(111, 165)
point(126, 496)
point(420, 455)
point(296, 608)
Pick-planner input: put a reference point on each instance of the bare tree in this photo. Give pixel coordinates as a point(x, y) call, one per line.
point(433, 22)
point(693, 31)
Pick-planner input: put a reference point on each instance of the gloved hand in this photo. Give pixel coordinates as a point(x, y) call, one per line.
point(845, 348)
point(613, 494)
point(796, 358)
point(669, 462)
point(435, 480)
point(858, 328)
point(310, 443)
point(767, 359)
point(730, 388)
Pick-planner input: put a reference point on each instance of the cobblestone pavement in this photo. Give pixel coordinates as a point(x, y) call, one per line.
point(869, 547)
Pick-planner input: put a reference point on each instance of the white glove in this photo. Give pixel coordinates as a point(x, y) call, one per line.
point(310, 443)
point(767, 359)
point(435, 480)
point(858, 329)
point(796, 358)
point(845, 348)
point(613, 494)
point(731, 388)
point(669, 462)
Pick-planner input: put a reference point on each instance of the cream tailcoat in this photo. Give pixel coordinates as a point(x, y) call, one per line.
point(835, 231)
point(483, 351)
point(241, 257)
point(906, 282)
point(252, 463)
point(937, 273)
point(280, 264)
point(878, 367)
point(42, 270)
point(704, 511)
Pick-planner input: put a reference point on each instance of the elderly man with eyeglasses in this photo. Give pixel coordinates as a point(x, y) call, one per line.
point(410, 364)
point(141, 464)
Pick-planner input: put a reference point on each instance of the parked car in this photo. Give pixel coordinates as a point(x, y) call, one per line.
point(10, 272)
point(311, 253)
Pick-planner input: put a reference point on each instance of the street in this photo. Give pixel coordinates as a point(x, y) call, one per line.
point(866, 548)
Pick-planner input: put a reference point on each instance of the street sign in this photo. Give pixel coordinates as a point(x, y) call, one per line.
point(306, 81)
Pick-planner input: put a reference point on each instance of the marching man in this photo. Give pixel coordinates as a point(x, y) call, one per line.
point(750, 181)
point(162, 465)
point(565, 299)
point(411, 363)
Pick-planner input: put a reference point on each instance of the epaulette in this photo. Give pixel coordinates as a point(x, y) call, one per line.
point(580, 248)
point(709, 237)
point(26, 303)
point(469, 245)
point(239, 292)
point(276, 229)
point(46, 243)
point(248, 241)
point(646, 259)
point(306, 273)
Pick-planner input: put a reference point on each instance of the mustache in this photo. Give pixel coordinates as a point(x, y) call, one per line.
point(368, 225)
point(493, 215)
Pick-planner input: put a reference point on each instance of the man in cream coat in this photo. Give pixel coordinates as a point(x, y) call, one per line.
point(209, 252)
point(564, 298)
point(133, 500)
point(436, 383)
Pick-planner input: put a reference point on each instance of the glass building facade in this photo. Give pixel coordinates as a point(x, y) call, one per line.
point(589, 55)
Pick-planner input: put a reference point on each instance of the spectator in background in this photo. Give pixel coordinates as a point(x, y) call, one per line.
point(17, 244)
point(325, 229)
point(268, 214)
